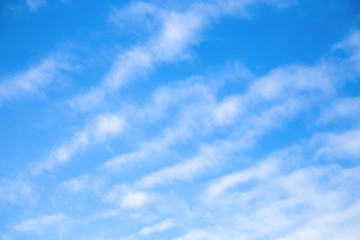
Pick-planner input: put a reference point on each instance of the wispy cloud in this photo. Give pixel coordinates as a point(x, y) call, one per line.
point(231, 154)
point(127, 198)
point(287, 87)
point(181, 171)
point(344, 144)
point(211, 155)
point(178, 31)
point(343, 108)
point(298, 199)
point(228, 110)
point(352, 46)
point(253, 126)
point(34, 80)
point(41, 224)
point(262, 171)
point(34, 5)
point(16, 190)
point(159, 227)
point(100, 129)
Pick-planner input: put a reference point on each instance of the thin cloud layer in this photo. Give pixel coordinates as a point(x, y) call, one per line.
point(181, 128)
point(35, 79)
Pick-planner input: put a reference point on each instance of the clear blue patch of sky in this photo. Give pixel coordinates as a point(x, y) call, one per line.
point(302, 33)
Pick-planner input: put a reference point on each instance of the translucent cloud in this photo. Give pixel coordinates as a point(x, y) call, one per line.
point(39, 225)
point(97, 131)
point(230, 154)
point(35, 79)
point(159, 227)
point(34, 5)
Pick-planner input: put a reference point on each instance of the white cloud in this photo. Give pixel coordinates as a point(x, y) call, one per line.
point(284, 200)
point(99, 130)
point(347, 108)
point(181, 171)
point(86, 101)
point(260, 172)
point(159, 227)
point(293, 81)
point(34, 5)
point(253, 127)
point(208, 157)
point(286, 205)
point(61, 155)
point(197, 234)
point(352, 46)
point(13, 191)
point(177, 32)
point(192, 100)
point(343, 224)
point(107, 125)
point(174, 36)
point(286, 81)
point(41, 224)
point(33, 80)
point(337, 145)
point(126, 198)
point(134, 200)
point(141, 14)
point(127, 66)
point(228, 110)
point(181, 131)
point(82, 183)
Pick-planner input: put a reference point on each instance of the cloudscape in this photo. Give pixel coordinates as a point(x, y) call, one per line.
point(180, 120)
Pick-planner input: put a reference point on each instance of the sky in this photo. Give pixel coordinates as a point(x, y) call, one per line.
point(180, 120)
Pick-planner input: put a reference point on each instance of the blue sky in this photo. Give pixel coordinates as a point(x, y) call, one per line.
point(181, 120)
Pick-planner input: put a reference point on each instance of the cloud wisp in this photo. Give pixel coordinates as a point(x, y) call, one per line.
point(35, 79)
point(102, 128)
point(217, 152)
point(177, 33)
